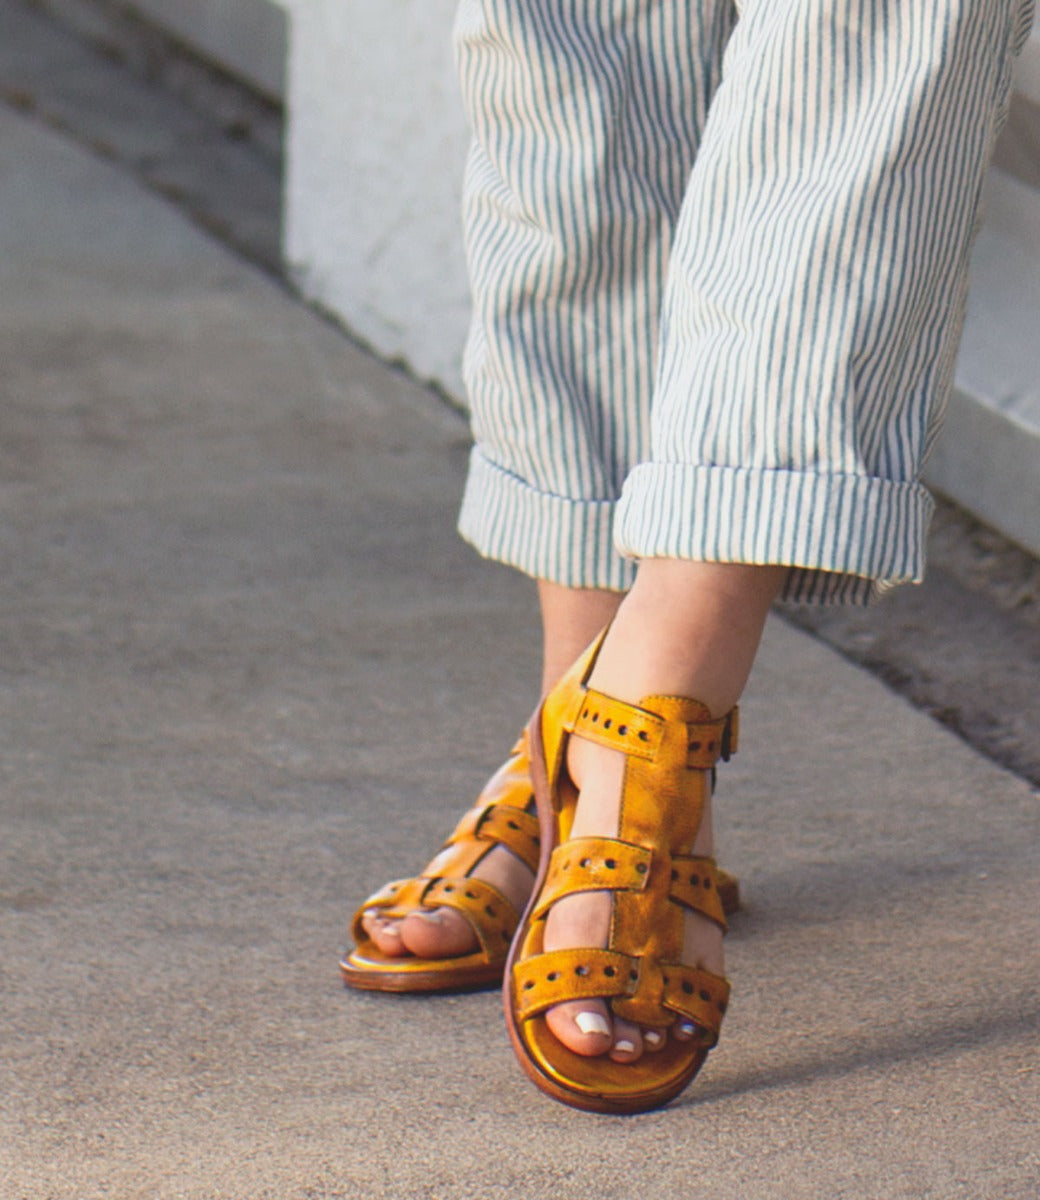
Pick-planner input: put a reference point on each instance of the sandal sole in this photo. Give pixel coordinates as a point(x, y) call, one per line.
point(424, 978)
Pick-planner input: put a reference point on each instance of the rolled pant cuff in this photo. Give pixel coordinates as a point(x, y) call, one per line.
point(850, 537)
point(555, 538)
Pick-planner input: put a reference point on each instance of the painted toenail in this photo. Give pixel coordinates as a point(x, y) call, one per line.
point(625, 1046)
point(590, 1022)
point(686, 1027)
point(653, 1037)
point(435, 918)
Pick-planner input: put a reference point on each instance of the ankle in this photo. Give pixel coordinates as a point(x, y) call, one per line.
point(687, 629)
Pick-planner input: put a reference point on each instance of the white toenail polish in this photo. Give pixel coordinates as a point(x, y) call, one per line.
point(625, 1046)
point(653, 1037)
point(686, 1027)
point(590, 1022)
point(433, 916)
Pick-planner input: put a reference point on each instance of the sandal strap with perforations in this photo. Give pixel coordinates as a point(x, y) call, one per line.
point(479, 831)
point(638, 733)
point(607, 864)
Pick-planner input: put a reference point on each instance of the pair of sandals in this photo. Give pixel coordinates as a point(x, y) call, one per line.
point(672, 745)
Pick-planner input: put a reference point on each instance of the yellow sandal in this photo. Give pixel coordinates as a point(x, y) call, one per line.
point(672, 745)
point(500, 817)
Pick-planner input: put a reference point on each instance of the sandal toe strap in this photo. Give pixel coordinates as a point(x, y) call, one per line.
point(593, 864)
point(488, 911)
point(698, 995)
point(491, 915)
point(559, 975)
point(667, 990)
point(397, 898)
point(660, 992)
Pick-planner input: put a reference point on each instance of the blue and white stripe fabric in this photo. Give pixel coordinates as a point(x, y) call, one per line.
point(719, 266)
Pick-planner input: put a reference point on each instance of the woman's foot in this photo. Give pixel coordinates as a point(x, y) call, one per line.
point(571, 618)
point(587, 1026)
point(686, 629)
point(445, 932)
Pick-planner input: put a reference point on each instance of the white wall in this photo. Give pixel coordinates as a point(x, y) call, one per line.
point(376, 147)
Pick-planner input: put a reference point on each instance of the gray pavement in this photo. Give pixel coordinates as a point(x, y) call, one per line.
point(247, 672)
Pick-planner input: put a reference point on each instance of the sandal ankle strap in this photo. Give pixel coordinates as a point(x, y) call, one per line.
point(638, 732)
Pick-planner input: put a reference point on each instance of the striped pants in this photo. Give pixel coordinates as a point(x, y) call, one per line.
point(718, 253)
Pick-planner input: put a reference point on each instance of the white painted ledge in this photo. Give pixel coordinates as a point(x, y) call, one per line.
point(376, 147)
point(988, 456)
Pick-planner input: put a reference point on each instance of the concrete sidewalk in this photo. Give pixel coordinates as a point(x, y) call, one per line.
point(247, 672)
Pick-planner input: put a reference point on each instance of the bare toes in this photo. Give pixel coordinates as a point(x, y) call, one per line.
point(385, 934)
point(628, 1042)
point(583, 1026)
point(654, 1040)
point(437, 933)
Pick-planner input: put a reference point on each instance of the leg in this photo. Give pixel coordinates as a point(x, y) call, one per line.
point(817, 288)
point(571, 618)
point(586, 121)
point(812, 315)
